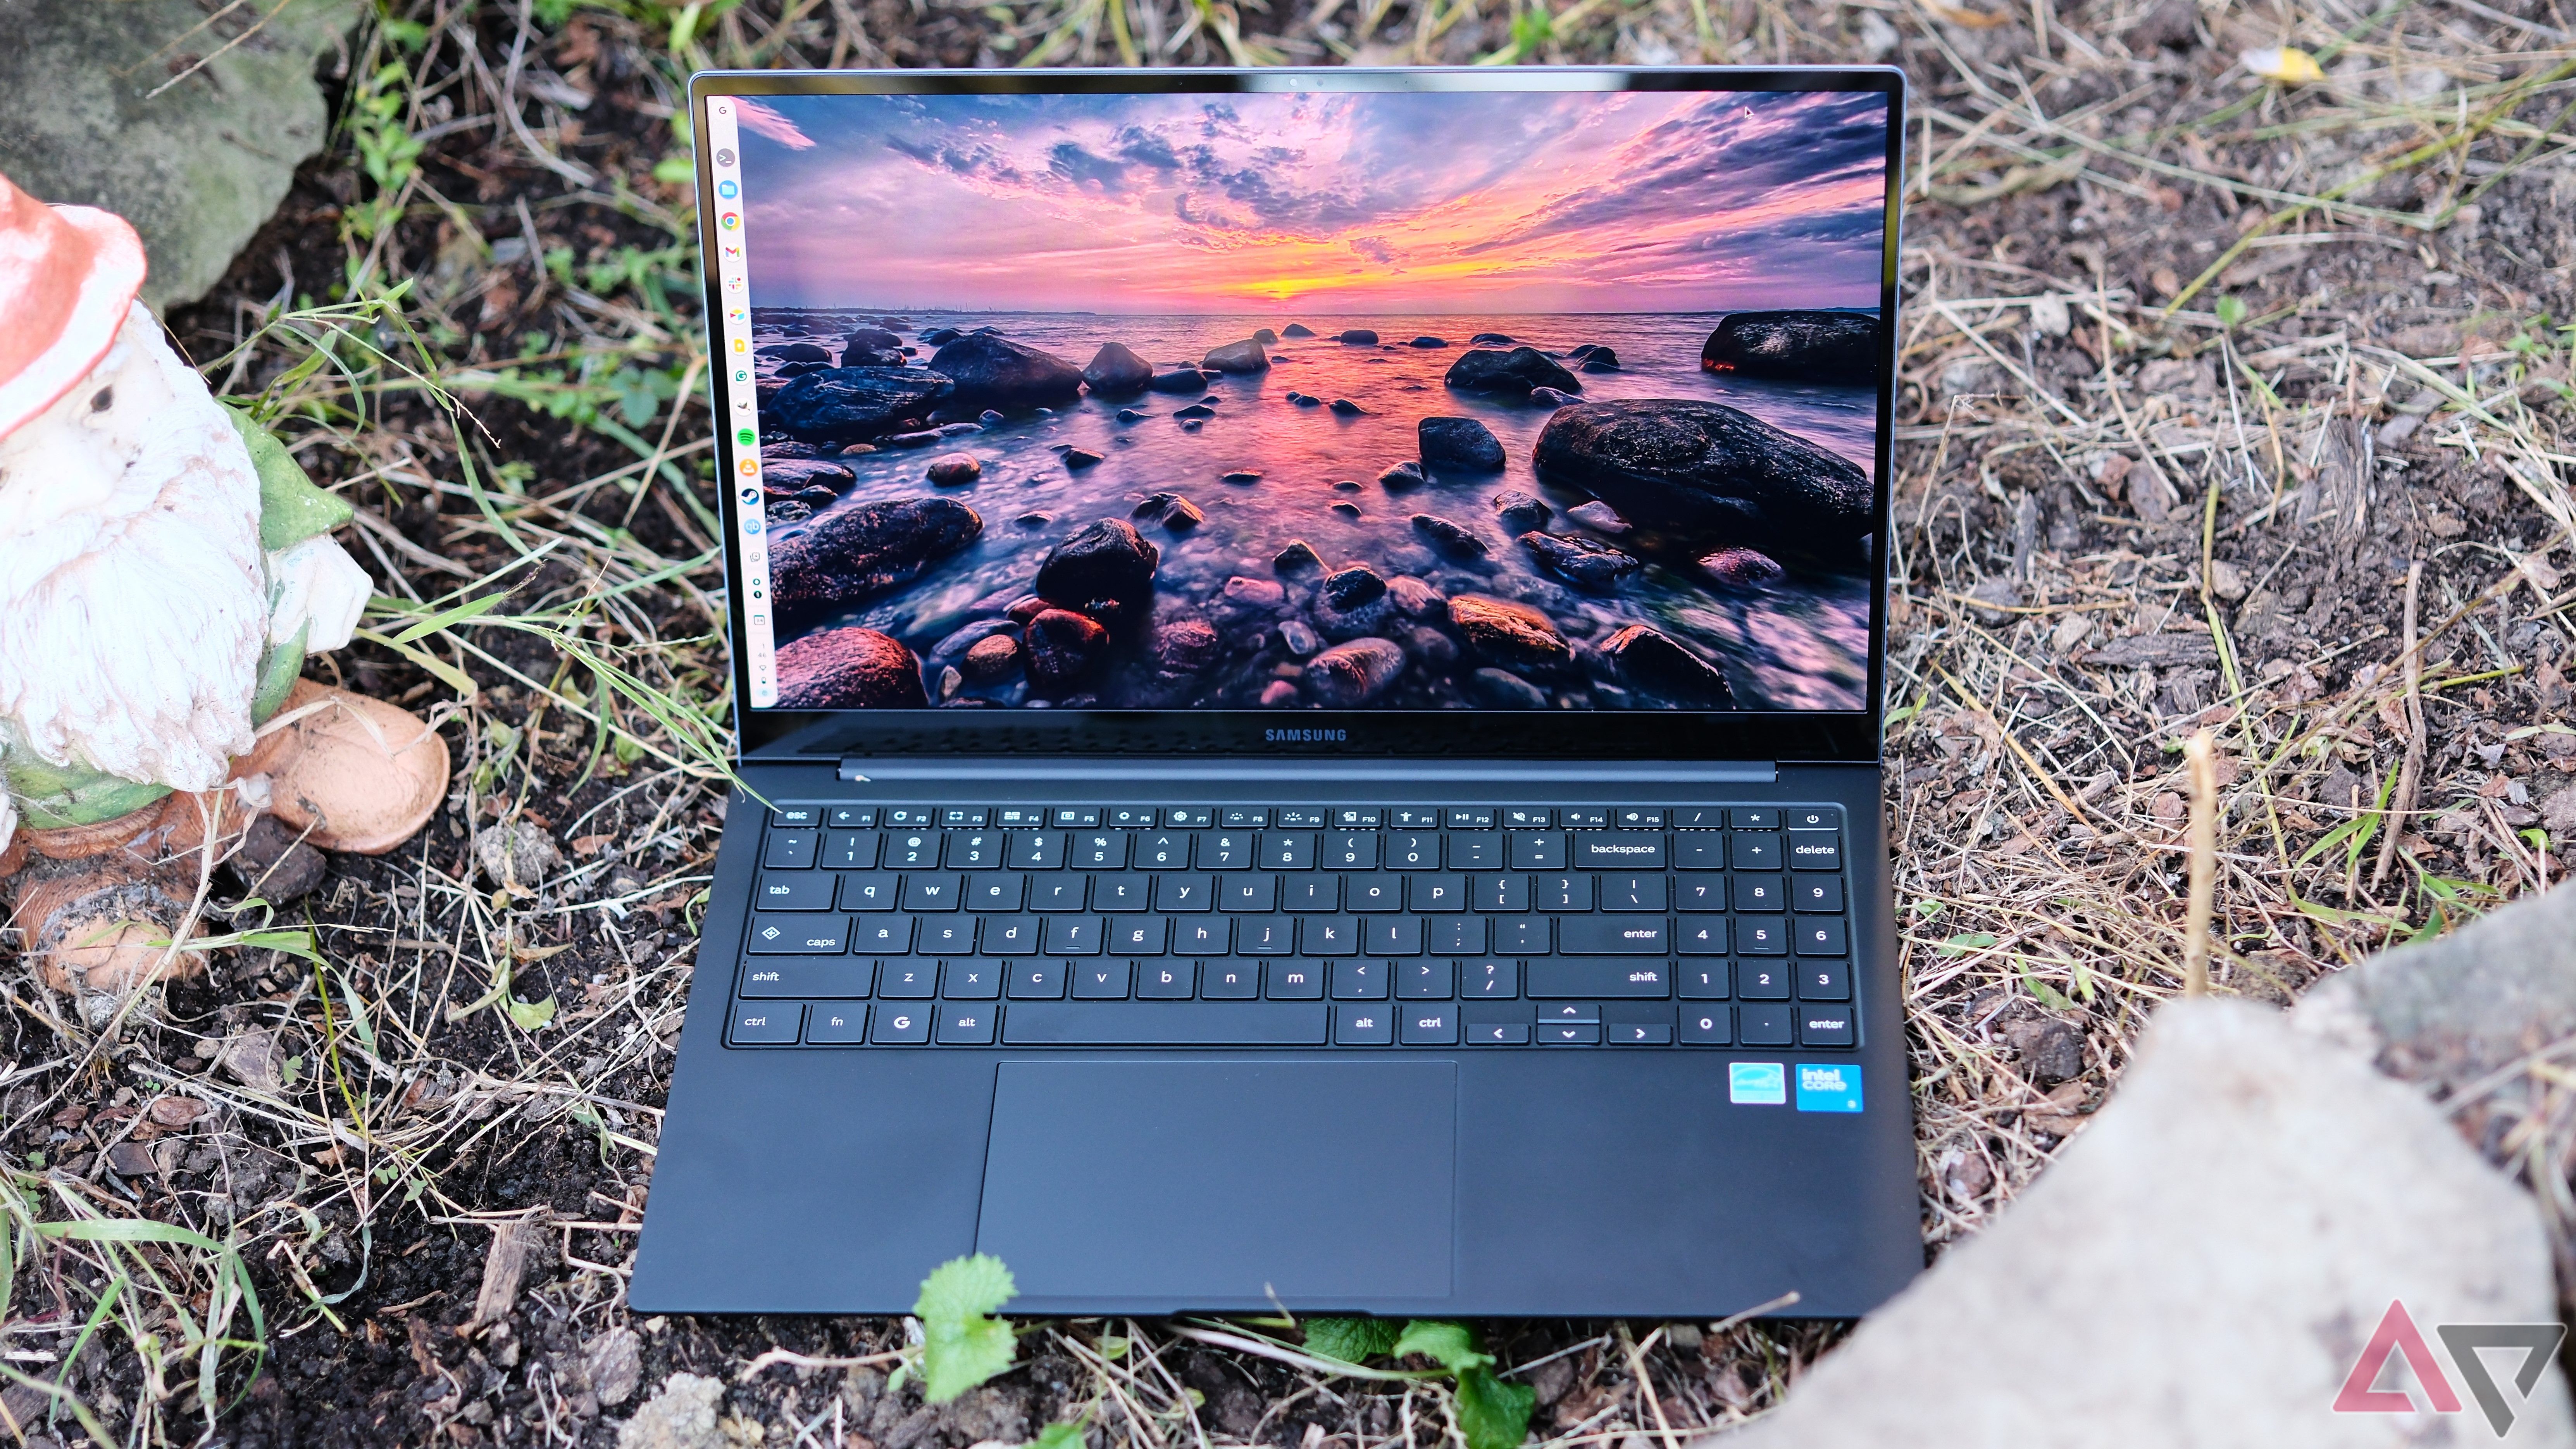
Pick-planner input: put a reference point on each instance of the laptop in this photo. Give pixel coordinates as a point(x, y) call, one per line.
point(1308, 651)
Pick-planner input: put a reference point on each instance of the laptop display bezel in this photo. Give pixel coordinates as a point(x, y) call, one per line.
point(1852, 736)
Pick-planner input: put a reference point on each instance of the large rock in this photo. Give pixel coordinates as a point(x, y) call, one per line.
point(1512, 635)
point(1835, 347)
point(1297, 329)
point(1359, 337)
point(1705, 469)
point(989, 370)
point(844, 404)
point(1179, 379)
point(1107, 559)
point(2344, 1192)
point(1579, 560)
point(1348, 588)
point(1354, 673)
point(795, 352)
point(857, 554)
point(1521, 510)
point(1236, 357)
point(789, 476)
point(94, 112)
point(849, 669)
point(1116, 371)
point(1448, 537)
point(1656, 664)
point(1488, 369)
point(1062, 646)
point(1458, 445)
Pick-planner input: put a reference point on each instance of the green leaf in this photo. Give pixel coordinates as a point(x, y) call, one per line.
point(962, 1343)
point(1059, 1435)
point(1965, 942)
point(530, 1015)
point(1451, 1345)
point(1493, 1414)
point(1350, 1340)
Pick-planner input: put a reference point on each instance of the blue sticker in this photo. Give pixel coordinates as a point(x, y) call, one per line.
point(1757, 1084)
point(1833, 1088)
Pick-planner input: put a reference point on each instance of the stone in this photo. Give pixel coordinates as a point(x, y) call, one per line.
point(1077, 459)
point(1699, 469)
point(922, 439)
point(1521, 510)
point(1179, 379)
point(1430, 342)
point(2051, 1051)
point(1242, 475)
point(1351, 587)
point(517, 856)
point(1195, 410)
point(1508, 633)
point(793, 475)
point(1264, 336)
point(1300, 637)
point(1417, 597)
point(1598, 516)
point(1654, 663)
point(2355, 1193)
point(1581, 561)
point(1344, 407)
point(1597, 358)
point(1458, 445)
point(93, 112)
point(1448, 538)
point(1358, 337)
point(844, 404)
point(1305, 399)
point(849, 668)
point(1278, 694)
point(680, 1415)
point(1131, 415)
point(1337, 622)
point(1401, 476)
point(861, 553)
point(794, 352)
point(991, 659)
point(957, 430)
point(1549, 397)
point(1245, 356)
point(1062, 645)
point(1186, 646)
point(1502, 689)
point(614, 1362)
point(951, 469)
point(1350, 511)
point(1740, 568)
point(1103, 560)
point(985, 368)
point(1115, 370)
point(1261, 595)
point(1492, 370)
point(1354, 673)
point(1829, 347)
point(1182, 516)
point(940, 336)
point(1297, 329)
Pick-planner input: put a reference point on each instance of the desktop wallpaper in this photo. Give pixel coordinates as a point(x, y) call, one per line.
point(1353, 401)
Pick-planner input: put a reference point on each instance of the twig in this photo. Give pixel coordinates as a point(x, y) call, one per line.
point(2411, 773)
point(2202, 751)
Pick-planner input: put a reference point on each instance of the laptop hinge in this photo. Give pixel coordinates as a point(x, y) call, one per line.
point(859, 769)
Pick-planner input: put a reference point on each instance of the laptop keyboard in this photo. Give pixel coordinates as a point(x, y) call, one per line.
point(1342, 926)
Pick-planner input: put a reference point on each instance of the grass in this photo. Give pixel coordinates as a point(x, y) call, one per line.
point(2151, 306)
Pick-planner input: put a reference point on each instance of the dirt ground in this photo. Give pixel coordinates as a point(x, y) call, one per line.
point(2205, 378)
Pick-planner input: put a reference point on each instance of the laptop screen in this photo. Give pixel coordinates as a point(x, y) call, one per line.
point(1563, 400)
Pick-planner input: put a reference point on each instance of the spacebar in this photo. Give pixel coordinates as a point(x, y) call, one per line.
point(1181, 1023)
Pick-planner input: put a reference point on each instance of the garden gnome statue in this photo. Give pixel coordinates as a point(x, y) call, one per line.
point(165, 569)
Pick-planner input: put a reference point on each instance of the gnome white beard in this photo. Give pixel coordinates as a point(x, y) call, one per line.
point(132, 603)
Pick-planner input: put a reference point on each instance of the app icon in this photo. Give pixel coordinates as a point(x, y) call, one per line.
point(1834, 1088)
point(726, 189)
point(737, 314)
point(731, 220)
point(751, 523)
point(1756, 1084)
point(731, 250)
point(724, 155)
point(751, 467)
point(733, 283)
point(746, 437)
point(739, 345)
point(750, 493)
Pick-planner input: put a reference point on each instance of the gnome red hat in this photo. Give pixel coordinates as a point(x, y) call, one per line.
point(67, 276)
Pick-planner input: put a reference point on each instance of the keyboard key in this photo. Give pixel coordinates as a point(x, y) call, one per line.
point(1376, 893)
point(945, 936)
point(1702, 937)
point(1287, 850)
point(835, 1025)
point(1034, 850)
point(800, 891)
point(1413, 817)
point(972, 980)
point(796, 815)
point(910, 817)
point(1140, 935)
point(1018, 817)
point(770, 977)
point(1161, 850)
point(1130, 817)
point(792, 850)
point(1699, 817)
point(1394, 936)
point(1242, 817)
point(907, 980)
point(1753, 818)
point(913, 851)
point(1583, 817)
point(1536, 849)
point(1059, 894)
point(1328, 935)
point(1500, 893)
point(1757, 937)
point(1619, 850)
point(931, 891)
point(1223, 850)
point(1699, 851)
point(1498, 1033)
point(1760, 893)
point(1754, 849)
point(798, 935)
point(1764, 1025)
point(1073, 936)
point(1553, 979)
point(1078, 817)
point(1183, 893)
point(1825, 1026)
point(874, 890)
point(1037, 980)
point(1562, 1033)
point(1480, 850)
point(1426, 980)
point(1567, 1011)
point(1458, 935)
point(965, 1025)
point(1563, 893)
point(1291, 818)
point(960, 815)
point(1637, 1033)
point(1815, 817)
point(1359, 980)
point(1154, 1023)
point(1624, 892)
point(1122, 892)
point(1297, 980)
point(1816, 893)
point(1355, 819)
point(1166, 980)
point(1363, 1026)
point(1265, 936)
point(1490, 980)
point(1100, 980)
point(1700, 893)
point(1204, 936)
point(1425, 1025)
point(1639, 817)
point(1821, 936)
point(1104, 850)
point(1815, 850)
point(1762, 980)
point(851, 849)
point(1703, 980)
point(1613, 936)
point(900, 1025)
point(995, 892)
point(1347, 851)
point(1433, 894)
point(1189, 817)
point(1229, 980)
point(853, 817)
point(1461, 818)
point(1521, 935)
point(1411, 850)
point(1247, 893)
point(1824, 981)
point(775, 1023)
point(1529, 817)
point(1708, 1026)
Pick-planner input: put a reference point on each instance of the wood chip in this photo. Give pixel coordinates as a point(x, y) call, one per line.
point(516, 1247)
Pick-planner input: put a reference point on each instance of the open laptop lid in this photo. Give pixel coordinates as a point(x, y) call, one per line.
point(976, 503)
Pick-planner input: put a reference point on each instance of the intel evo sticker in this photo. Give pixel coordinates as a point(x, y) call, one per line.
point(1757, 1084)
point(1828, 1088)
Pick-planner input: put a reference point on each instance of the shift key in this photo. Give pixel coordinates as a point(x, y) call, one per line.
point(1613, 936)
point(1618, 850)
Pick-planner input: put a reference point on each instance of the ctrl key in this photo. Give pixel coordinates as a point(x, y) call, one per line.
point(768, 1023)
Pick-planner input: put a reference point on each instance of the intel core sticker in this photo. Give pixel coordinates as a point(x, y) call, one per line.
point(1757, 1084)
point(1828, 1089)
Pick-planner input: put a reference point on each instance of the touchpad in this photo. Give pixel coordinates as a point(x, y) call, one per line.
point(1321, 1182)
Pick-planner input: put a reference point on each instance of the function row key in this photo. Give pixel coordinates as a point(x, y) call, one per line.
point(950, 1023)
